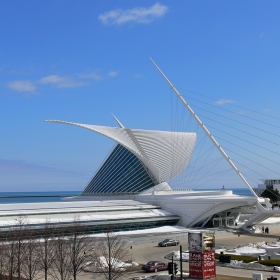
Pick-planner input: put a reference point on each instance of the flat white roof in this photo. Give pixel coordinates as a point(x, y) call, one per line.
point(86, 211)
point(76, 204)
point(94, 217)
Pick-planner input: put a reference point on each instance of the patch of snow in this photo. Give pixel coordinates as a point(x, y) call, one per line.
point(252, 266)
point(272, 245)
point(164, 229)
point(103, 262)
point(176, 256)
point(271, 220)
point(247, 250)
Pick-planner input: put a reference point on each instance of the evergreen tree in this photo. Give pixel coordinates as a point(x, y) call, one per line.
point(272, 194)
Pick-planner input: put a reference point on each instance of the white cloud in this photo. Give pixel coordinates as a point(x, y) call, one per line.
point(92, 75)
point(113, 73)
point(139, 15)
point(240, 113)
point(224, 101)
point(22, 86)
point(266, 110)
point(61, 82)
point(138, 76)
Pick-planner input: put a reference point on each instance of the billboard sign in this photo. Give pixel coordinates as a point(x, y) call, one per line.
point(201, 241)
point(208, 241)
point(202, 265)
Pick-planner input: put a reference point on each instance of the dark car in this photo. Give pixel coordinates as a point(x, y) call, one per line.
point(155, 266)
point(168, 242)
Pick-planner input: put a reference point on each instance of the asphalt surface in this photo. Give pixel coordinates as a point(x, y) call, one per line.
point(144, 248)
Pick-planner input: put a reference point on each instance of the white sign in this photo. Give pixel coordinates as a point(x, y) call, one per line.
point(257, 276)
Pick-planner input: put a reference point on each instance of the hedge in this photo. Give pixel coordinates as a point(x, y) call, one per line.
point(245, 259)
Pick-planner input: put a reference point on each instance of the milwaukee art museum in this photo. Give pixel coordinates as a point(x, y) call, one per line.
point(131, 188)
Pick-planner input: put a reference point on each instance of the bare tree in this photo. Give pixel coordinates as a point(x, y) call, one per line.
point(3, 260)
point(30, 262)
point(46, 250)
point(61, 262)
point(110, 254)
point(20, 233)
point(80, 248)
point(10, 254)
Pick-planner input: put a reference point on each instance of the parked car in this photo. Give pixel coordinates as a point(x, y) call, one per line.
point(168, 242)
point(154, 266)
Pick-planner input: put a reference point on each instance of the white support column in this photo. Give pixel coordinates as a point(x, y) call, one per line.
point(205, 130)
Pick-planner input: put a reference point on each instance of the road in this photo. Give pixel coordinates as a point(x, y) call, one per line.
point(144, 248)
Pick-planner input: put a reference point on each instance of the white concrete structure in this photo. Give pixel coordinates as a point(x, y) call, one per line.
point(263, 207)
point(121, 214)
point(158, 157)
point(206, 131)
point(166, 154)
point(202, 208)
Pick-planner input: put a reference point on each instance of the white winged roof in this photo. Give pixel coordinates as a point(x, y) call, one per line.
point(166, 154)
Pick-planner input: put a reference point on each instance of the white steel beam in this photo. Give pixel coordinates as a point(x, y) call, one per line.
point(205, 130)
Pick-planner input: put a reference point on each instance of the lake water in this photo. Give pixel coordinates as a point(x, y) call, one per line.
point(29, 197)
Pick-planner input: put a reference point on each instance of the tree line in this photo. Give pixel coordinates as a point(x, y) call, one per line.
point(58, 253)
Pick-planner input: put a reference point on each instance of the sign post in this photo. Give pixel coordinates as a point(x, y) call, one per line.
point(202, 263)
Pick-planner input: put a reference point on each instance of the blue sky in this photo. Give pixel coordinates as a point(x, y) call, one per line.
point(80, 61)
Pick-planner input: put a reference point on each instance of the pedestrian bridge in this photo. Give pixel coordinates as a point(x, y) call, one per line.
point(264, 212)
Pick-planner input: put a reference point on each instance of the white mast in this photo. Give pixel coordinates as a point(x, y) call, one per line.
point(205, 130)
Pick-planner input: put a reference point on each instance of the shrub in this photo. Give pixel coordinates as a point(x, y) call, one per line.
point(270, 262)
point(245, 259)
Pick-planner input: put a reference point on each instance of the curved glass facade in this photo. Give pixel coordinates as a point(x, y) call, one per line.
point(122, 172)
point(90, 227)
point(225, 218)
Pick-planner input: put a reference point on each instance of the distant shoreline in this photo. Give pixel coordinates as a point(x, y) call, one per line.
point(24, 196)
point(36, 197)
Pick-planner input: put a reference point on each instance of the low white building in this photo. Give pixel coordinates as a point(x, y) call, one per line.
point(270, 183)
